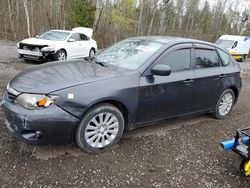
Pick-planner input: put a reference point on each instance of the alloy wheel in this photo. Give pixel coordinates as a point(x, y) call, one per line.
point(61, 56)
point(226, 104)
point(101, 130)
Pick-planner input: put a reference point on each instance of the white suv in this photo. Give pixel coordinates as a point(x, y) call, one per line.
point(59, 45)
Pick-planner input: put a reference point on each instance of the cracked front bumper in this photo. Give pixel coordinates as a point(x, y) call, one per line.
point(37, 56)
point(50, 125)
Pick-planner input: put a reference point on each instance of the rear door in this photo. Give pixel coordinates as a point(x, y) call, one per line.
point(166, 96)
point(86, 45)
point(209, 75)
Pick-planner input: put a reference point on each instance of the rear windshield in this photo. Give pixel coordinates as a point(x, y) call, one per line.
point(54, 35)
point(224, 43)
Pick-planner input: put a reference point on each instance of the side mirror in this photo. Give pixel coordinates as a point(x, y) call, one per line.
point(161, 70)
point(37, 36)
point(71, 40)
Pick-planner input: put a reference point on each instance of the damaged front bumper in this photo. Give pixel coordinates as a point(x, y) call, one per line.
point(36, 55)
point(50, 125)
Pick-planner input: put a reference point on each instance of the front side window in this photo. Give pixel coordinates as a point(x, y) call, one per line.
point(178, 60)
point(224, 57)
point(206, 58)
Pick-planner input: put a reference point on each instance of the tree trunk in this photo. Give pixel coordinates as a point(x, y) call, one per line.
point(25, 4)
point(151, 24)
point(139, 32)
point(12, 27)
point(32, 18)
point(98, 13)
point(187, 27)
point(162, 22)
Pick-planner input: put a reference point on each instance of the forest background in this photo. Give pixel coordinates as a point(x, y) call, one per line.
point(114, 20)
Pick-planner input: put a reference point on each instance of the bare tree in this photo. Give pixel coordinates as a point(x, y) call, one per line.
point(25, 4)
point(98, 13)
point(11, 21)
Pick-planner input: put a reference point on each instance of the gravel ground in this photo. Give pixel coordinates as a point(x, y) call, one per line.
point(182, 152)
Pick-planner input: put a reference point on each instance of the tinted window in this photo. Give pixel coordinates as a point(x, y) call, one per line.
point(178, 60)
point(235, 45)
point(224, 57)
point(75, 36)
point(206, 58)
point(83, 37)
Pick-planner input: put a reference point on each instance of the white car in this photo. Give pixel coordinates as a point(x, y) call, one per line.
point(59, 45)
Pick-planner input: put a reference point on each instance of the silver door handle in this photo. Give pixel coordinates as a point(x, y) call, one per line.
point(188, 81)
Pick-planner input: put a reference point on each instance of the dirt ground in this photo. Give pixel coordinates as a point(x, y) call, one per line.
point(182, 152)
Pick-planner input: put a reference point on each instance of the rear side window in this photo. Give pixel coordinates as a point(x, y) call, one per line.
point(75, 36)
point(178, 60)
point(224, 57)
point(83, 37)
point(206, 58)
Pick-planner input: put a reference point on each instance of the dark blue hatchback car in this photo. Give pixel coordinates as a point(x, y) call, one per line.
point(138, 80)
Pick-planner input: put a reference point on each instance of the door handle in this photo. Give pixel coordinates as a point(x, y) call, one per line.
point(222, 76)
point(188, 81)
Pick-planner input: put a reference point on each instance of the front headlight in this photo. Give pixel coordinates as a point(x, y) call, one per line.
point(48, 49)
point(18, 45)
point(32, 101)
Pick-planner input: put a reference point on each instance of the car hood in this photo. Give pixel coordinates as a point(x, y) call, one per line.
point(59, 75)
point(36, 41)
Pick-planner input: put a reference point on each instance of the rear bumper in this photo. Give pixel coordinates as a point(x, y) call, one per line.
point(50, 125)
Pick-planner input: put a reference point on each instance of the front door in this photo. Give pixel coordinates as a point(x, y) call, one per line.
point(167, 96)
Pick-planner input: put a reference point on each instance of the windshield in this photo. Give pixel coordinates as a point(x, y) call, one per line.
point(129, 54)
point(224, 43)
point(54, 35)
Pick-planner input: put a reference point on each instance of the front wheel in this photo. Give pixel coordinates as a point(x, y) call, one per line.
point(100, 128)
point(224, 104)
point(244, 57)
point(61, 55)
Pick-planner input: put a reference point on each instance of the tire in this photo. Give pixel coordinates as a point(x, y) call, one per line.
point(91, 52)
point(243, 58)
point(91, 136)
point(61, 55)
point(226, 101)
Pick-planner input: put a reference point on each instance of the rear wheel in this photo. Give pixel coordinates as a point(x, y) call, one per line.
point(224, 104)
point(92, 52)
point(60, 55)
point(100, 128)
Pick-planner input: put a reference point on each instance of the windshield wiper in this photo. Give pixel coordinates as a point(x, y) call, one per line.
point(93, 59)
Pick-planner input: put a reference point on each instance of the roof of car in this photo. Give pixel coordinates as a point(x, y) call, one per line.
point(167, 39)
point(170, 39)
point(60, 30)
